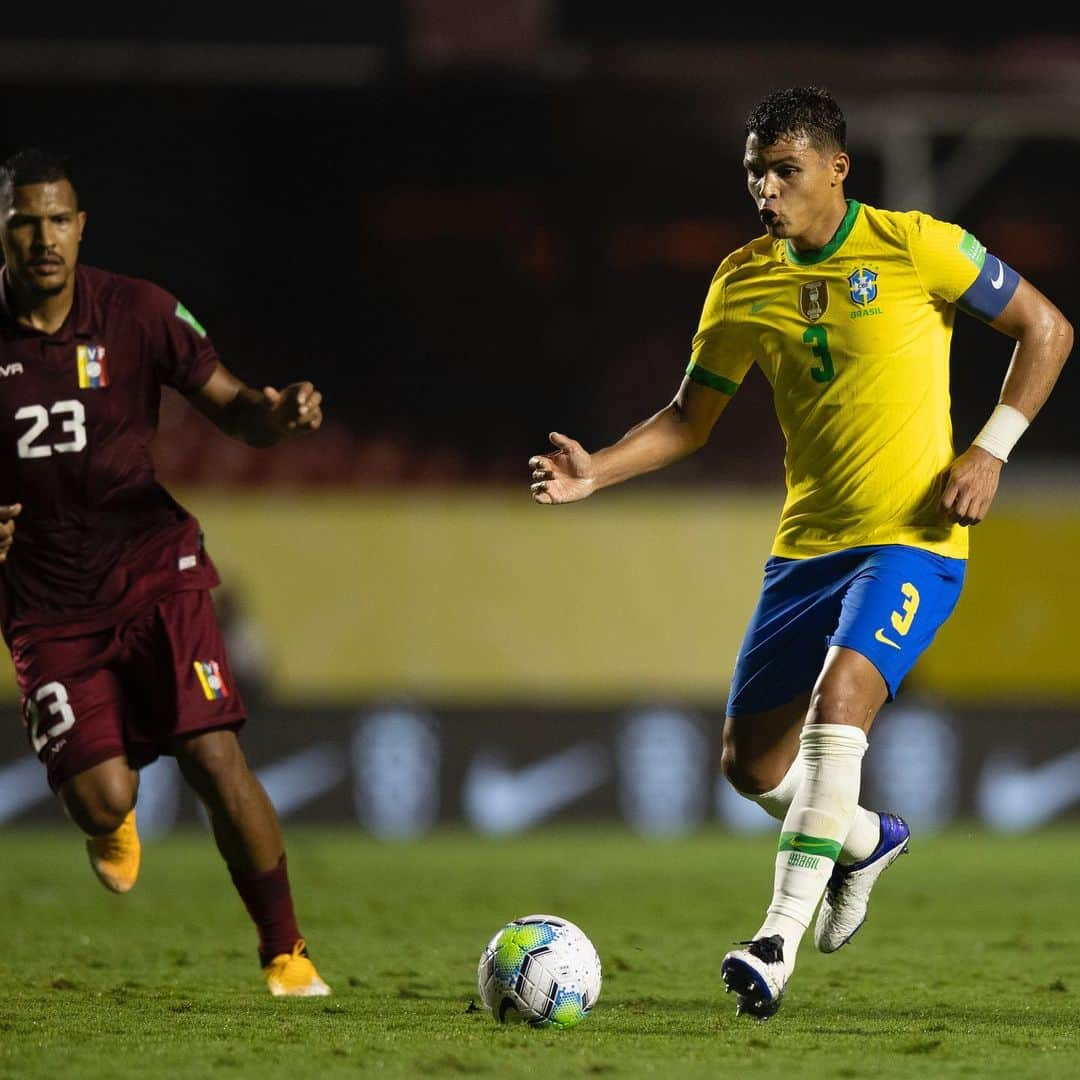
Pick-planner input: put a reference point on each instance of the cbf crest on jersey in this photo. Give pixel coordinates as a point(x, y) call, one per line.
point(813, 299)
point(863, 284)
point(90, 361)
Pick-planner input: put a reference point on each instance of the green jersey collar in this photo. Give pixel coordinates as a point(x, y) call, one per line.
point(808, 258)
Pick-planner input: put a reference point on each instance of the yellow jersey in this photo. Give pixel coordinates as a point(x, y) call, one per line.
point(854, 339)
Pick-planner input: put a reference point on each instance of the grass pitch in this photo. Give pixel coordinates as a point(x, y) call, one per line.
point(968, 966)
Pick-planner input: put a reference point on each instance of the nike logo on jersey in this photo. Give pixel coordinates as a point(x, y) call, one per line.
point(998, 281)
point(880, 636)
point(757, 305)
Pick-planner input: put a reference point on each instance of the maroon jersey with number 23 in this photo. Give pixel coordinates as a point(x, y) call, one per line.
point(98, 537)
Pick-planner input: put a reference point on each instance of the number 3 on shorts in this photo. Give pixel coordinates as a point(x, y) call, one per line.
point(57, 706)
point(901, 620)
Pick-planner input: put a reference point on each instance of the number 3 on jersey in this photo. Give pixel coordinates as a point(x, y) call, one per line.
point(72, 421)
point(818, 340)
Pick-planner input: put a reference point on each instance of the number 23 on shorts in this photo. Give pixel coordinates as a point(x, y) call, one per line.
point(48, 701)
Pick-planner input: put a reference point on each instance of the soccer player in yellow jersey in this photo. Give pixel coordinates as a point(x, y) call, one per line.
point(849, 312)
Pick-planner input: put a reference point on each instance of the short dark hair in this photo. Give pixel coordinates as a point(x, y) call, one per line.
point(810, 111)
point(33, 166)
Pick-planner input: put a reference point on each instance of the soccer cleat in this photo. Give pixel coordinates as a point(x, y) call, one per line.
point(294, 975)
point(115, 857)
point(758, 975)
point(843, 907)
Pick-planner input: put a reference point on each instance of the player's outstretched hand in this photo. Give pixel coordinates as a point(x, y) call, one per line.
point(8, 514)
point(296, 408)
point(970, 486)
point(564, 476)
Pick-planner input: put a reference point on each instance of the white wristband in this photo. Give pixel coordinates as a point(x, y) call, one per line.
point(1000, 432)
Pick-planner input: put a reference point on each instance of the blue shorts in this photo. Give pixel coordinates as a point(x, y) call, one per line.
point(886, 602)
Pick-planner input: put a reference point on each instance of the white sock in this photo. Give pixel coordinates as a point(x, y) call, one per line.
point(817, 821)
point(775, 803)
point(865, 829)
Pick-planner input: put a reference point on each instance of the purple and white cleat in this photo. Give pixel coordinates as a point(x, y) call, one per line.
point(843, 907)
point(758, 975)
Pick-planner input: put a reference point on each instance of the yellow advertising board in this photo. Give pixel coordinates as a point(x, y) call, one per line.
point(484, 597)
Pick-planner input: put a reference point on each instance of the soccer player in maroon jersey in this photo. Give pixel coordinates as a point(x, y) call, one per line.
point(104, 580)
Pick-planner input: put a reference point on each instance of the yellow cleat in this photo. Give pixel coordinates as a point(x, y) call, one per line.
point(115, 857)
point(294, 975)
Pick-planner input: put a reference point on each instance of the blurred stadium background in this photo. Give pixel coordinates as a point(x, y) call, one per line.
point(473, 222)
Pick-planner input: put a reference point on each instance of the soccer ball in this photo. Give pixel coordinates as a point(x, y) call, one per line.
point(540, 969)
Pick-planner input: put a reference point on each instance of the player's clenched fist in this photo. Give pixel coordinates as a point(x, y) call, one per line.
point(562, 477)
point(8, 514)
point(296, 408)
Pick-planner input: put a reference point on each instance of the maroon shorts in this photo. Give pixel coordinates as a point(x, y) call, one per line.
point(130, 690)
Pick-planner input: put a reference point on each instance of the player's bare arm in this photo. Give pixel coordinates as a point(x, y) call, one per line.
point(8, 514)
point(571, 473)
point(1044, 339)
point(259, 417)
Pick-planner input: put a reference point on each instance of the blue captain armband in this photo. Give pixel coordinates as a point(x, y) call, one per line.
point(988, 294)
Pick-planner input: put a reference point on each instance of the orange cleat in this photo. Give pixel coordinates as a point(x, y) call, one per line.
point(115, 857)
point(294, 975)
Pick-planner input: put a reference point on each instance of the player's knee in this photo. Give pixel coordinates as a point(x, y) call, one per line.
point(837, 701)
point(208, 760)
point(99, 810)
point(746, 775)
